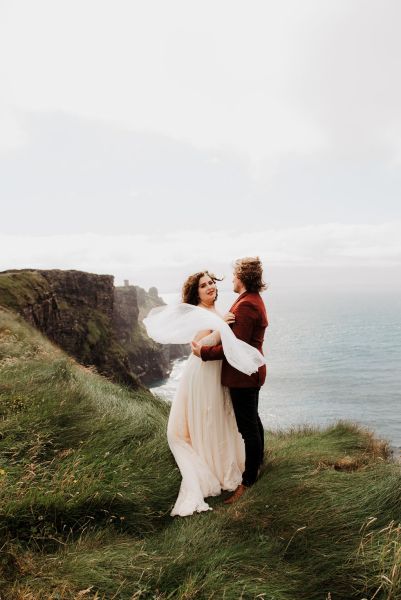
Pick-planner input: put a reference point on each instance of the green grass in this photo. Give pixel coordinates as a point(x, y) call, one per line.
point(87, 482)
point(22, 288)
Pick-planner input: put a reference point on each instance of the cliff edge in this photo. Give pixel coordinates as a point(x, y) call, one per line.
point(92, 320)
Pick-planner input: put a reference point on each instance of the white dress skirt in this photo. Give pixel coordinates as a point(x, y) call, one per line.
point(203, 435)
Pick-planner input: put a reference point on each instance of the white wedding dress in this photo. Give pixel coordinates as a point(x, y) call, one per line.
point(203, 435)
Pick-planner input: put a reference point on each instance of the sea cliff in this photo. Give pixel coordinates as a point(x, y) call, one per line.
point(92, 320)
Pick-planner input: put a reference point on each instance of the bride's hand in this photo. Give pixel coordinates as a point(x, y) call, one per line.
point(229, 317)
point(196, 348)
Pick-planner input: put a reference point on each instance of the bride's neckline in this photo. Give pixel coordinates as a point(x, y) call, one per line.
point(211, 309)
point(207, 307)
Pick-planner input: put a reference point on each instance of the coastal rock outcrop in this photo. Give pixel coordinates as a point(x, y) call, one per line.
point(151, 361)
point(91, 319)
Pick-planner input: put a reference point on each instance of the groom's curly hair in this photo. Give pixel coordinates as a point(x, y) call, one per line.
point(190, 294)
point(250, 271)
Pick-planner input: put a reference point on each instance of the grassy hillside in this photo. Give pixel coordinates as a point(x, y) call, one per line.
point(87, 482)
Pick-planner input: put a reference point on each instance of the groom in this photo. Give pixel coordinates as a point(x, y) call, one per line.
point(249, 325)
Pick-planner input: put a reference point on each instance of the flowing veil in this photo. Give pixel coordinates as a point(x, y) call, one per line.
point(178, 324)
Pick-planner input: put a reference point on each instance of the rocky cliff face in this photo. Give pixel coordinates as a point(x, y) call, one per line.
point(95, 322)
point(150, 361)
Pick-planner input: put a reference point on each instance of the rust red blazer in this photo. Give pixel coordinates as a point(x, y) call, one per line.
point(250, 324)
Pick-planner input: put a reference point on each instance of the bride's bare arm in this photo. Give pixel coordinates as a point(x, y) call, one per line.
point(213, 337)
point(210, 339)
point(201, 334)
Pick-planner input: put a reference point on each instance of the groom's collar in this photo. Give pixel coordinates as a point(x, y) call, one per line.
point(239, 297)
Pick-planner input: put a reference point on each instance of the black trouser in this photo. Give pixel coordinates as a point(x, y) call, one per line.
point(245, 403)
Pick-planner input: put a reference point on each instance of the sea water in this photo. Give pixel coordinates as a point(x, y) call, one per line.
point(330, 356)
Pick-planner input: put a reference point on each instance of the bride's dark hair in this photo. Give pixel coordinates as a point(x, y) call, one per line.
point(190, 294)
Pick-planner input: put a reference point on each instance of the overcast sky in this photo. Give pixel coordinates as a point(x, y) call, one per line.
point(150, 139)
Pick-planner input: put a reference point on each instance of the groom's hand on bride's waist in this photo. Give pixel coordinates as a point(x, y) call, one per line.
point(196, 348)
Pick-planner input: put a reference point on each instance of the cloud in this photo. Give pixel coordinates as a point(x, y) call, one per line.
point(164, 116)
point(13, 136)
point(77, 175)
point(267, 79)
point(325, 245)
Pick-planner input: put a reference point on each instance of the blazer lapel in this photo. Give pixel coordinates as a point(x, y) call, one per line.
point(237, 300)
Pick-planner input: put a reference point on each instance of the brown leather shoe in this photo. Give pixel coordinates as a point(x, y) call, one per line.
point(241, 489)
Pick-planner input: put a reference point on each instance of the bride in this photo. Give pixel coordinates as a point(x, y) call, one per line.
point(202, 431)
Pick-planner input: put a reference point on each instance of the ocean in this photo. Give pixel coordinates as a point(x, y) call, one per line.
point(330, 356)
